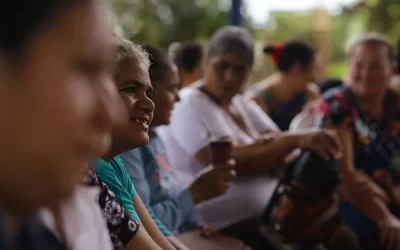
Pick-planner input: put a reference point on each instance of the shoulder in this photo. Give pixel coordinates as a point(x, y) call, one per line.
point(334, 107)
point(312, 91)
point(335, 94)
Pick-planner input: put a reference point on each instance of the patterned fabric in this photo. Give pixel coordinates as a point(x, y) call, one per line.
point(282, 113)
point(376, 147)
point(121, 225)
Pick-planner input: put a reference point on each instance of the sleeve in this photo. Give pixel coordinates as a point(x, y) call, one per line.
point(134, 166)
point(333, 111)
point(175, 211)
point(171, 212)
point(121, 226)
point(262, 122)
point(109, 175)
point(195, 121)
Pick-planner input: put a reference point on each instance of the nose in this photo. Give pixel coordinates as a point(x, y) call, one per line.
point(229, 75)
point(146, 104)
point(365, 72)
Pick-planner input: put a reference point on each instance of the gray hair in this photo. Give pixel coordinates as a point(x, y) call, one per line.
point(372, 38)
point(127, 50)
point(232, 39)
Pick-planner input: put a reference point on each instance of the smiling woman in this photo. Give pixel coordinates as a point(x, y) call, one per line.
point(132, 80)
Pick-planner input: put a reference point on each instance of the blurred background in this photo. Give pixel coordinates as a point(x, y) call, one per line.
point(327, 24)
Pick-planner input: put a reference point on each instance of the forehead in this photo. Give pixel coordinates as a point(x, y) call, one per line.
point(129, 70)
point(370, 52)
point(230, 57)
point(81, 31)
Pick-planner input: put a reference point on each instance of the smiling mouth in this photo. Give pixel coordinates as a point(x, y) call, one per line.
point(142, 121)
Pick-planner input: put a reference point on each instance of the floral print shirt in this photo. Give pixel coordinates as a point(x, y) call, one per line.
point(121, 225)
point(376, 147)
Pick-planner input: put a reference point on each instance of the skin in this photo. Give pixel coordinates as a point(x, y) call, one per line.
point(189, 77)
point(284, 85)
point(165, 95)
point(369, 77)
point(55, 108)
point(136, 91)
point(224, 76)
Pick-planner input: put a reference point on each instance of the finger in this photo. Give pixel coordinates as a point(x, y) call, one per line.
point(230, 164)
point(225, 185)
point(321, 152)
point(397, 245)
point(385, 238)
point(392, 240)
point(227, 175)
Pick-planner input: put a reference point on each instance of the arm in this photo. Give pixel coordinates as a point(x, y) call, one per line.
point(173, 210)
point(353, 185)
point(141, 241)
point(258, 156)
point(312, 93)
point(260, 101)
point(150, 226)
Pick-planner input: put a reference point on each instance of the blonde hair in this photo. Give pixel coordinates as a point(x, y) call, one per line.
point(127, 50)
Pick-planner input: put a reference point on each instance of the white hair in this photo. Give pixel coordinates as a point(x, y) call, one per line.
point(127, 50)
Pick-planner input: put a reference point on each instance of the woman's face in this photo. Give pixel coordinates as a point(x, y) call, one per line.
point(53, 108)
point(370, 69)
point(165, 95)
point(226, 75)
point(134, 85)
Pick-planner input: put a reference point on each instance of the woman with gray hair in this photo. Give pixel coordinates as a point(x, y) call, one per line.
point(213, 109)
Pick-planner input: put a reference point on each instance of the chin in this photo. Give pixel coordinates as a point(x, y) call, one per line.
point(141, 140)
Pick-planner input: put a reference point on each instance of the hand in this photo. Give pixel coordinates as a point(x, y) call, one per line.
point(205, 230)
point(323, 142)
point(390, 233)
point(213, 181)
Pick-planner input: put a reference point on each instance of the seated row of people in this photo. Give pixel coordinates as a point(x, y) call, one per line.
point(54, 196)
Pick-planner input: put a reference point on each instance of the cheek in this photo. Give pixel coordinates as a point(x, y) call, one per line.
point(129, 102)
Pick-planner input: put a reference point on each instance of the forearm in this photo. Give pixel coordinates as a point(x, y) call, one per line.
point(150, 225)
point(372, 206)
point(262, 156)
point(142, 241)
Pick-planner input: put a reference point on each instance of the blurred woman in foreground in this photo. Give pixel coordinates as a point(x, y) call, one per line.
point(54, 58)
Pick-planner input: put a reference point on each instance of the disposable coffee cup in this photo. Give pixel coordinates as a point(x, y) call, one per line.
point(220, 151)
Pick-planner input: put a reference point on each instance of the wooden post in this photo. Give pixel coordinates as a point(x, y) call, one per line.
point(322, 25)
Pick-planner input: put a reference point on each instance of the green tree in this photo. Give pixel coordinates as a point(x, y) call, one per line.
point(161, 22)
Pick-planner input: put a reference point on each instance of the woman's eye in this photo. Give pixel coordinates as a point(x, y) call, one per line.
point(150, 95)
point(129, 90)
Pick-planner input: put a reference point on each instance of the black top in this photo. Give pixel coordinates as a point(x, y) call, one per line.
point(33, 236)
